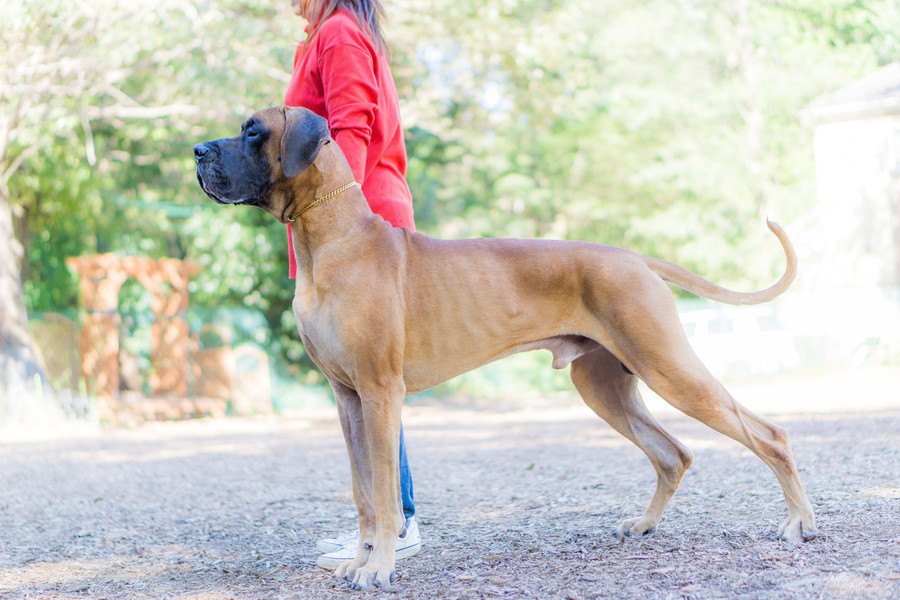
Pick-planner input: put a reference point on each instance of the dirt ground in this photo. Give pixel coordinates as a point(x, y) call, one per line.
point(513, 503)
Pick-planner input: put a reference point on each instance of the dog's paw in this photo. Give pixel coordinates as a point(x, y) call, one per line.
point(347, 570)
point(797, 529)
point(368, 577)
point(341, 571)
point(642, 525)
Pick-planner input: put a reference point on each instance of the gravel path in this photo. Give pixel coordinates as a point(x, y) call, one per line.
point(512, 504)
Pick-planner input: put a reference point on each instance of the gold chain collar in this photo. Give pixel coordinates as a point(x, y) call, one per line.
point(323, 199)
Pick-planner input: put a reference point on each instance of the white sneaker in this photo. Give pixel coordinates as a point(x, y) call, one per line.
point(346, 540)
point(407, 545)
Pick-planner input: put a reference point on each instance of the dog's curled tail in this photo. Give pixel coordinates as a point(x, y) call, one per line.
point(697, 285)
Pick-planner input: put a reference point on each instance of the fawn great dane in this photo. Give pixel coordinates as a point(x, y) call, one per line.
point(384, 312)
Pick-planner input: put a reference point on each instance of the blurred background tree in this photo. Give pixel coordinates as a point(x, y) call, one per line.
point(665, 126)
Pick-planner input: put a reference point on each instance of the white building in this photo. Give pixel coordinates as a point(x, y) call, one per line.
point(857, 217)
point(849, 245)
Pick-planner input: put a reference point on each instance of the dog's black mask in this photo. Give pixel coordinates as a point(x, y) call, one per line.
point(238, 170)
point(234, 170)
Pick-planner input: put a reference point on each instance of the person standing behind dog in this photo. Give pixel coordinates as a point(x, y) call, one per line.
point(341, 73)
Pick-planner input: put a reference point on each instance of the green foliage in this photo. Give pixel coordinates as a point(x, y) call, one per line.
point(667, 127)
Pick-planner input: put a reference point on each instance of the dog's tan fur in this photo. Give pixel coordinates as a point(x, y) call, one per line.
point(385, 312)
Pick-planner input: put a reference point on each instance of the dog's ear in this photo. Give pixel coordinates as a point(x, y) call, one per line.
point(304, 132)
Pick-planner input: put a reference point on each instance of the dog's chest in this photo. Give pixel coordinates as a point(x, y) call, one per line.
point(322, 343)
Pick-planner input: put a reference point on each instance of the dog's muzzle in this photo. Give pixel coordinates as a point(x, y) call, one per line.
point(202, 154)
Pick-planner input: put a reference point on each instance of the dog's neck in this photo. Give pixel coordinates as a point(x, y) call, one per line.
point(332, 222)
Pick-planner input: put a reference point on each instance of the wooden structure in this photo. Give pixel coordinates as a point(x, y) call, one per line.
point(101, 277)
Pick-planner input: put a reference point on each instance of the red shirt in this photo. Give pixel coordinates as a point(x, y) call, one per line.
point(341, 76)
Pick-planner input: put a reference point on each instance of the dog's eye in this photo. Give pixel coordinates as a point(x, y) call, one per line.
point(251, 134)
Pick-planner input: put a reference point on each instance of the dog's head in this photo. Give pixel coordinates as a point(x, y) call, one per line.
point(268, 163)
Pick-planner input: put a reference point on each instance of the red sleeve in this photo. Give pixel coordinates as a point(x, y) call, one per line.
point(351, 97)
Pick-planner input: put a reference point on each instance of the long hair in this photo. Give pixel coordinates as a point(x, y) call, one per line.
point(369, 15)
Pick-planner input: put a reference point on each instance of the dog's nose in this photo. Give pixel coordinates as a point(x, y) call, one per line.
point(200, 151)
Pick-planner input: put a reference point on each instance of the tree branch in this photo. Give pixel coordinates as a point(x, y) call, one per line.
point(89, 150)
point(17, 162)
point(140, 112)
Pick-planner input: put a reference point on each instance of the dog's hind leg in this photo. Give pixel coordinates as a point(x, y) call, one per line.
point(705, 399)
point(648, 336)
point(612, 393)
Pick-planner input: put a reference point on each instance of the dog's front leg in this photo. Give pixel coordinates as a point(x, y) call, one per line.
point(381, 405)
point(351, 417)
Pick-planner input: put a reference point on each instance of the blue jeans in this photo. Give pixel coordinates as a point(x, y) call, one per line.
point(406, 482)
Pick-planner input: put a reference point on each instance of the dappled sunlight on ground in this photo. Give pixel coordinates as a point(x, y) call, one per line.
point(58, 573)
point(882, 492)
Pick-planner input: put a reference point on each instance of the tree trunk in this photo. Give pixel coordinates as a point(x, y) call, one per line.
point(22, 378)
